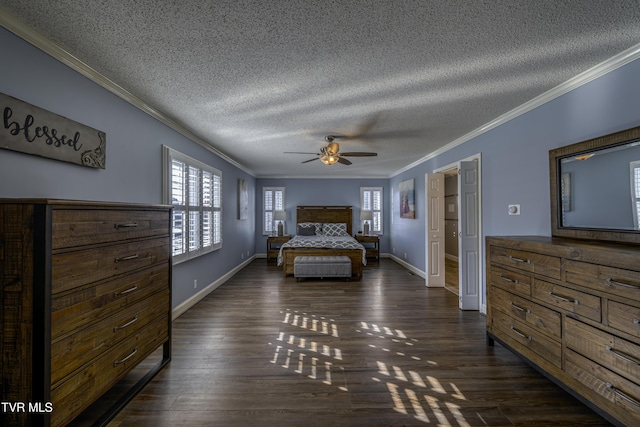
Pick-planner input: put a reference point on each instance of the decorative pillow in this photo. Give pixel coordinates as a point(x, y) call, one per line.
point(316, 225)
point(306, 231)
point(334, 229)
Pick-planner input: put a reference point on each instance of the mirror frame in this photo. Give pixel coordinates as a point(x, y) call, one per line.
point(602, 234)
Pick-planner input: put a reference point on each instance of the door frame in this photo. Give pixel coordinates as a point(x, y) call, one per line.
point(481, 249)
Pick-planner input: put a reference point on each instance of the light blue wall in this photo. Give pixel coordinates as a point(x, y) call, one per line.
point(321, 192)
point(134, 169)
point(515, 159)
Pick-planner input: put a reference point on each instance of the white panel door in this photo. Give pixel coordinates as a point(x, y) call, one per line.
point(435, 233)
point(469, 245)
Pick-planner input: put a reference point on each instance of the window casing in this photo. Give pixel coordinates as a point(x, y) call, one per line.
point(635, 193)
point(194, 189)
point(371, 200)
point(272, 201)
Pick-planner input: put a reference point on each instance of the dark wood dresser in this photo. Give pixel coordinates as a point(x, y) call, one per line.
point(85, 296)
point(571, 308)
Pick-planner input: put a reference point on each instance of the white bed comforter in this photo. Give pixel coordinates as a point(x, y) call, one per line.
point(323, 242)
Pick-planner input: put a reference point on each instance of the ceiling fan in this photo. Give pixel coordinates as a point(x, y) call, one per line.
point(330, 154)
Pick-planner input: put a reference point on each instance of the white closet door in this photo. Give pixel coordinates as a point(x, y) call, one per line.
point(435, 233)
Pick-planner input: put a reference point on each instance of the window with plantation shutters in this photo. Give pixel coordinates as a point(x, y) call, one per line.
point(273, 200)
point(371, 200)
point(635, 193)
point(194, 189)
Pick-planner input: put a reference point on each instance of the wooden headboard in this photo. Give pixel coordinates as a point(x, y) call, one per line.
point(335, 214)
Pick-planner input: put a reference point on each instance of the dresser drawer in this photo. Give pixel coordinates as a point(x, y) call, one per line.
point(77, 268)
point(568, 299)
point(72, 352)
point(624, 317)
point(535, 315)
point(81, 227)
point(623, 396)
point(505, 326)
point(614, 353)
point(77, 309)
point(624, 283)
point(528, 261)
point(76, 393)
point(511, 281)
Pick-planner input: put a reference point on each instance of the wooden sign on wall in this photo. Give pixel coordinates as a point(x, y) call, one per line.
point(30, 129)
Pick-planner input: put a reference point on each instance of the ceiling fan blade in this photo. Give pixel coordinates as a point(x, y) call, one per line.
point(366, 126)
point(359, 154)
point(343, 161)
point(297, 152)
point(361, 132)
point(395, 134)
point(310, 160)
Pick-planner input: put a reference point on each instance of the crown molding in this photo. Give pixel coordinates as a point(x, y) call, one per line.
point(583, 78)
point(320, 177)
point(28, 34)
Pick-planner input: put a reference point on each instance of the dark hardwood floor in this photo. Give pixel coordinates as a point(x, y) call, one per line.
point(451, 279)
point(263, 350)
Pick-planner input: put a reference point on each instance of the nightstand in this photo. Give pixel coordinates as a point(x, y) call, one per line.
point(371, 243)
point(273, 245)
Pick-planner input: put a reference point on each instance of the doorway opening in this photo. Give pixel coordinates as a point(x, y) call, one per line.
point(451, 279)
point(453, 199)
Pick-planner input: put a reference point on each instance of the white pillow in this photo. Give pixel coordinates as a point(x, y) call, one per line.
point(334, 229)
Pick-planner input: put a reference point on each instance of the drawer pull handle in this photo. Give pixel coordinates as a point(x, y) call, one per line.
point(129, 225)
point(127, 258)
point(126, 325)
point(117, 362)
point(525, 310)
point(506, 279)
point(528, 261)
point(128, 291)
point(520, 333)
point(565, 299)
point(618, 283)
point(623, 356)
point(636, 322)
point(623, 395)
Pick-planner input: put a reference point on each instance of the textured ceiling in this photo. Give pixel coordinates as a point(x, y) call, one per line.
point(257, 78)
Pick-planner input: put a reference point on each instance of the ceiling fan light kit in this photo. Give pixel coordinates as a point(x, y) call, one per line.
point(328, 160)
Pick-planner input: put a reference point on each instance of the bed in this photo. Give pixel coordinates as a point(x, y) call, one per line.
point(337, 238)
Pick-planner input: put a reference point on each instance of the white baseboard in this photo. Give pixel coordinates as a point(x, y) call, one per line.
point(408, 266)
point(261, 255)
point(186, 305)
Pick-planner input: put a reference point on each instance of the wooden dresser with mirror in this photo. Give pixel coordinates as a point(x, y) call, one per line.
point(569, 304)
point(86, 300)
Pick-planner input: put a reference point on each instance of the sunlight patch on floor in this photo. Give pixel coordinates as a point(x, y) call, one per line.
point(307, 356)
point(422, 396)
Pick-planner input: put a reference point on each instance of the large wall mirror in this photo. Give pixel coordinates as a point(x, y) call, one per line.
point(595, 188)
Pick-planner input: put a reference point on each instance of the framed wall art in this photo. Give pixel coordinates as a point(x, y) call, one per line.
point(407, 199)
point(243, 199)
